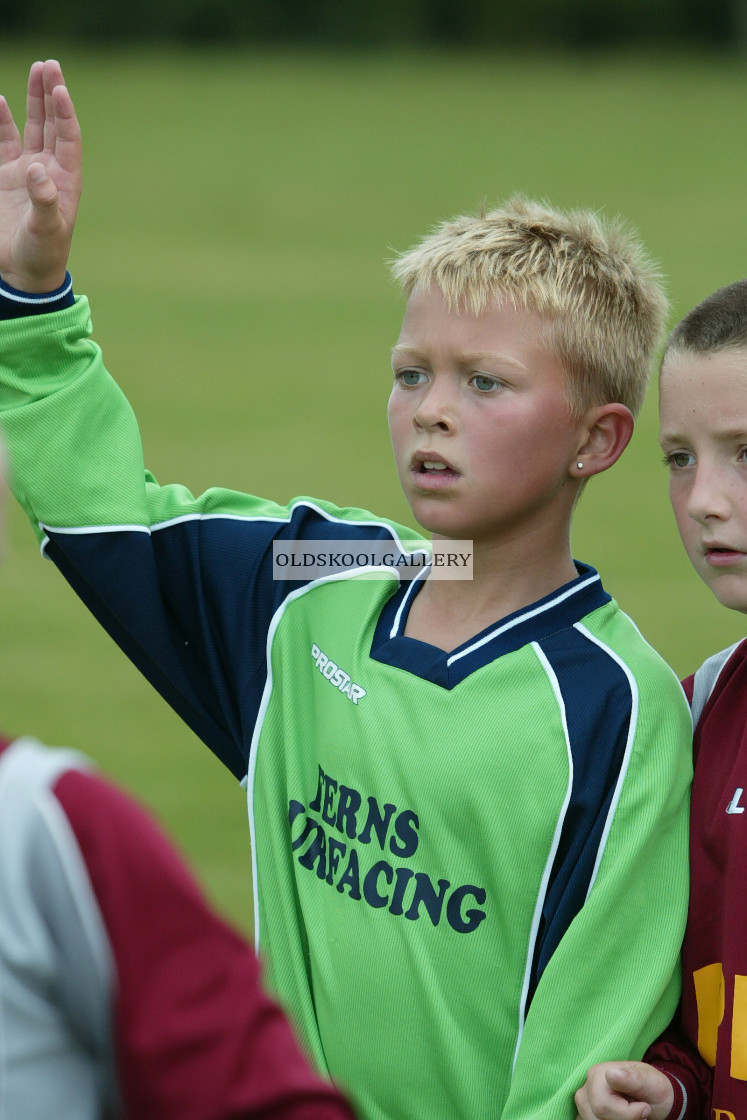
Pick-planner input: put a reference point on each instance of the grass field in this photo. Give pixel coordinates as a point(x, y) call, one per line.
point(238, 213)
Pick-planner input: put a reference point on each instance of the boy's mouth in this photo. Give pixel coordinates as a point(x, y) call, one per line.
point(431, 471)
point(424, 462)
point(721, 556)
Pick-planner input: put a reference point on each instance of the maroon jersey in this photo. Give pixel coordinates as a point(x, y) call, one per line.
point(121, 993)
point(705, 1050)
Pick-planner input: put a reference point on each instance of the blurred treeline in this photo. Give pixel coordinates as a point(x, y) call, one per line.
point(389, 23)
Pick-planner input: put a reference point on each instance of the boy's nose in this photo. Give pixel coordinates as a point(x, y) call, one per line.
point(709, 496)
point(435, 410)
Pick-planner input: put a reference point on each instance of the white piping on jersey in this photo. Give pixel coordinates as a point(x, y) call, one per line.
point(83, 530)
point(182, 518)
point(522, 618)
point(16, 297)
point(405, 600)
point(553, 847)
point(248, 782)
point(632, 727)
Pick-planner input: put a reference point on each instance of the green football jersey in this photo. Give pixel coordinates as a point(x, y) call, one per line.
point(470, 868)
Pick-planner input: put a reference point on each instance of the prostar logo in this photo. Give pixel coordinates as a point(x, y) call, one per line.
point(336, 676)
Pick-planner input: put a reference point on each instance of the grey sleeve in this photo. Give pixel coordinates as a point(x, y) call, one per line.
point(705, 679)
point(56, 971)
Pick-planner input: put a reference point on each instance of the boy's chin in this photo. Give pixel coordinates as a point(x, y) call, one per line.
point(734, 603)
point(731, 594)
point(442, 527)
point(437, 519)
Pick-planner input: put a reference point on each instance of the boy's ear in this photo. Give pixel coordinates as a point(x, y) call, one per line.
point(605, 434)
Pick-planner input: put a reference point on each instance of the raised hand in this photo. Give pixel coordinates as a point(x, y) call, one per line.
point(40, 183)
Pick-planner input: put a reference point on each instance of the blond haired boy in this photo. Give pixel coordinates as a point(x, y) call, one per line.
point(463, 795)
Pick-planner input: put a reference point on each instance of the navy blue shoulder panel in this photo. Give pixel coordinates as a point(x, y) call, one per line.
point(191, 603)
point(598, 700)
point(99, 568)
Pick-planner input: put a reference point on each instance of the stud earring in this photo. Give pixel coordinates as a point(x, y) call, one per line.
point(580, 466)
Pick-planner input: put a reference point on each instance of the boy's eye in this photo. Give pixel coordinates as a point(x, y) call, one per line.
point(677, 460)
point(410, 377)
point(483, 383)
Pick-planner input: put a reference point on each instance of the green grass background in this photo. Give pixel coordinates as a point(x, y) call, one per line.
point(238, 212)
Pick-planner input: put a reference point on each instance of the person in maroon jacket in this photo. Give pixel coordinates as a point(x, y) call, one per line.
point(698, 1068)
point(122, 995)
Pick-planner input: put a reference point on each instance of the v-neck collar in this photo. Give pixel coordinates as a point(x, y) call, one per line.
point(562, 608)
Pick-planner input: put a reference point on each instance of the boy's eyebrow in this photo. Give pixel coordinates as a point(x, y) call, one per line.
point(471, 359)
point(729, 435)
point(666, 435)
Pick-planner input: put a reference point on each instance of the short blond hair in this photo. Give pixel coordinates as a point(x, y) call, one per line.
point(591, 279)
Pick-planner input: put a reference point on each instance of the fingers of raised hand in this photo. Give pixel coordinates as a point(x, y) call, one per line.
point(67, 150)
point(51, 78)
point(43, 193)
point(33, 133)
point(10, 139)
point(51, 124)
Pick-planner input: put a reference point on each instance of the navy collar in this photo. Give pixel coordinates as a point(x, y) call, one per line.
point(561, 609)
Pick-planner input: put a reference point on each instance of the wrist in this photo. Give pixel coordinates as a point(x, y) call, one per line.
point(17, 303)
point(673, 1105)
point(35, 286)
